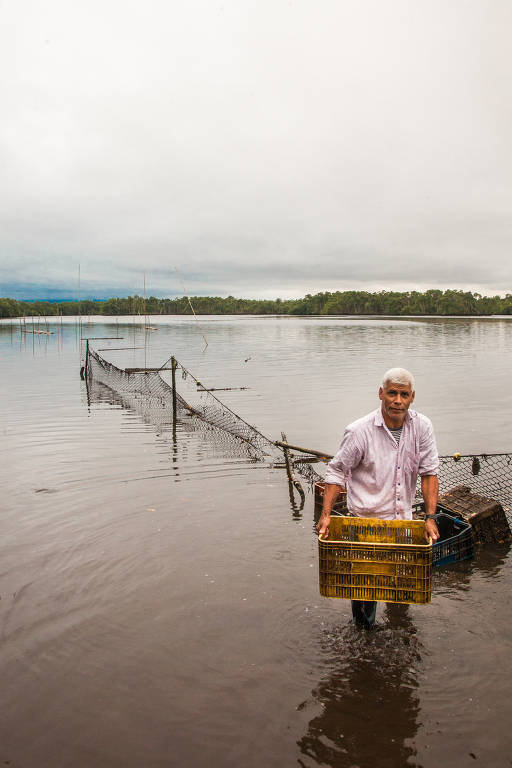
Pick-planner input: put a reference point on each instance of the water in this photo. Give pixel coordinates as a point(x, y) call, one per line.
point(159, 592)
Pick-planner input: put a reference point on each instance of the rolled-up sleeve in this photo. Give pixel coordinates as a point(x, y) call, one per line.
point(348, 456)
point(429, 458)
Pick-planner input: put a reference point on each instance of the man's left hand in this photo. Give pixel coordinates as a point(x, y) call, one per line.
point(431, 530)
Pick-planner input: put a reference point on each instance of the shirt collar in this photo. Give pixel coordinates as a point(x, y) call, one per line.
point(379, 420)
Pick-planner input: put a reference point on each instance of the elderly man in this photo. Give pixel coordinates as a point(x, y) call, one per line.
point(379, 459)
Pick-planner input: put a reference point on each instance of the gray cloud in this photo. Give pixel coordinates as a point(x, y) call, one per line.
point(270, 148)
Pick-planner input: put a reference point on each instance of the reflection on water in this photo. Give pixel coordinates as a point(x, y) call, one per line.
point(490, 560)
point(368, 701)
point(488, 564)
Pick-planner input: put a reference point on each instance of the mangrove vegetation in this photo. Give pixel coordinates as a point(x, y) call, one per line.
point(432, 302)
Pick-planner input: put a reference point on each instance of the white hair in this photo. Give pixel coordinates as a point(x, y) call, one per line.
point(398, 376)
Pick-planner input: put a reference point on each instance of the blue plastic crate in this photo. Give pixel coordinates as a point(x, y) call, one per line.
point(456, 540)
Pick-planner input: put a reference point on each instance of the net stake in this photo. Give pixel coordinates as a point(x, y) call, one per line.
point(191, 307)
point(173, 375)
point(285, 444)
point(291, 474)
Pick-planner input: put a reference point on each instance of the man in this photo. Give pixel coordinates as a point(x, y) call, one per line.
point(379, 459)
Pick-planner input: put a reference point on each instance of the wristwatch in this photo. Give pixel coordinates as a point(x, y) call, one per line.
point(430, 517)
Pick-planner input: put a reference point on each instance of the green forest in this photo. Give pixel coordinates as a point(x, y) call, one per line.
point(432, 302)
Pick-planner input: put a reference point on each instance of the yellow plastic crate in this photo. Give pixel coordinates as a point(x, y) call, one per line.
point(368, 559)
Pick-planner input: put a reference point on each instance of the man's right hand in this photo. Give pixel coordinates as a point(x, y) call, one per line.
point(323, 525)
point(331, 493)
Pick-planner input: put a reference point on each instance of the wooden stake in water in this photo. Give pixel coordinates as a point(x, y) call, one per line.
point(289, 470)
point(86, 364)
point(320, 454)
point(79, 313)
point(191, 307)
point(174, 365)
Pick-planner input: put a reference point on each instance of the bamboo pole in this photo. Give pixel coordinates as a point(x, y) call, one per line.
point(291, 474)
point(79, 312)
point(145, 370)
point(219, 389)
point(320, 454)
point(173, 367)
point(86, 364)
point(145, 323)
point(191, 307)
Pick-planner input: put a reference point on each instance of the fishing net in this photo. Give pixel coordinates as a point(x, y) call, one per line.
point(147, 391)
point(150, 394)
point(154, 410)
point(304, 466)
point(209, 408)
point(157, 412)
point(488, 475)
point(140, 384)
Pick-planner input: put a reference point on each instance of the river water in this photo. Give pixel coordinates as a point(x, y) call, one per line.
point(159, 588)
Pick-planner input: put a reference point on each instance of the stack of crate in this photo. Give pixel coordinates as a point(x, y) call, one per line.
point(486, 516)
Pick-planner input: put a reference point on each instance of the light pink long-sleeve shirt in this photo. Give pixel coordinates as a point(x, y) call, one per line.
point(379, 474)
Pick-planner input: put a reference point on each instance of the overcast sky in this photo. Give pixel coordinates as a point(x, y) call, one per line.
point(264, 148)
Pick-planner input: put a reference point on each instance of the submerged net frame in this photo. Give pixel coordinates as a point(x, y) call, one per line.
point(213, 411)
point(157, 413)
point(146, 384)
point(489, 475)
point(148, 391)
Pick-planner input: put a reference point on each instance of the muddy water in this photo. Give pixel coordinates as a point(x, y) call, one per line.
point(159, 595)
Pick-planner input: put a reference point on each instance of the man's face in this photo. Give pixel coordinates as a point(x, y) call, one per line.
point(396, 399)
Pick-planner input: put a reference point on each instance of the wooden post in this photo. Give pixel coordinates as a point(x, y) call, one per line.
point(320, 454)
point(86, 363)
point(174, 365)
point(291, 474)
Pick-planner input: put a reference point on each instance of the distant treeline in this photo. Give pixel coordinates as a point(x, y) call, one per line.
point(433, 302)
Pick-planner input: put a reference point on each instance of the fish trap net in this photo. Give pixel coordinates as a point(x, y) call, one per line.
point(214, 412)
point(147, 391)
point(156, 412)
point(138, 384)
point(489, 475)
